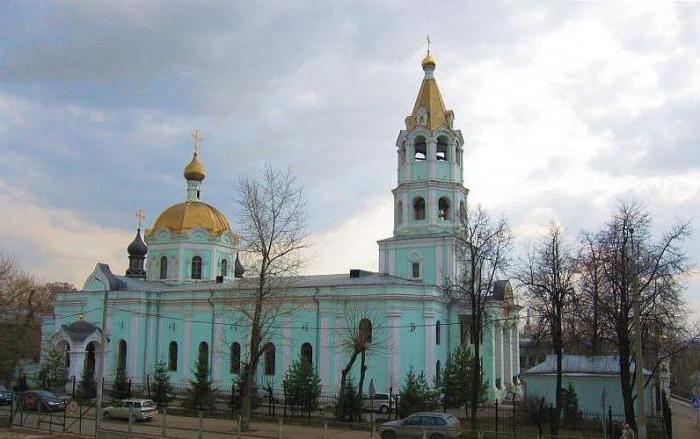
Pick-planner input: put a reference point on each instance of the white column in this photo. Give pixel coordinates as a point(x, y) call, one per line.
point(323, 353)
point(132, 350)
point(186, 347)
point(508, 356)
point(393, 377)
point(499, 355)
point(515, 346)
point(431, 203)
point(492, 342)
point(286, 346)
point(218, 347)
point(432, 151)
point(339, 332)
point(428, 346)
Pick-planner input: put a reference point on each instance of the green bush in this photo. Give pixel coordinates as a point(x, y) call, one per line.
point(121, 388)
point(200, 394)
point(348, 406)
point(302, 386)
point(161, 389)
point(416, 395)
point(571, 416)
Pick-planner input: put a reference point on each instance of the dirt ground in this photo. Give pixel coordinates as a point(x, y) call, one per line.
point(684, 421)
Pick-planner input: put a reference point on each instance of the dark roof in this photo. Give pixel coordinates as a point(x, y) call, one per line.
point(580, 365)
point(137, 246)
point(80, 330)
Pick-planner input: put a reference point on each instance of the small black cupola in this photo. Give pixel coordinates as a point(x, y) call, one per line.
point(137, 254)
point(238, 269)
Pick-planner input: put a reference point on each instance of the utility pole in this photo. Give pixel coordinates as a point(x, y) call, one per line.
point(103, 349)
point(638, 358)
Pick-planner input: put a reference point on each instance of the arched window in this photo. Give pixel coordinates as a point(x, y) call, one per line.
point(121, 355)
point(235, 358)
point(66, 359)
point(419, 209)
point(441, 149)
point(437, 371)
point(415, 270)
point(224, 267)
point(444, 208)
point(204, 354)
point(307, 354)
point(402, 153)
point(269, 359)
point(196, 267)
point(420, 149)
point(365, 331)
point(172, 356)
point(399, 213)
point(437, 332)
point(163, 267)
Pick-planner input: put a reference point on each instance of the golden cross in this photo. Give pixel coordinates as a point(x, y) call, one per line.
point(196, 137)
point(427, 38)
point(140, 216)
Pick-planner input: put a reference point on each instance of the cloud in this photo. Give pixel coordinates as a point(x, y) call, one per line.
point(565, 108)
point(57, 244)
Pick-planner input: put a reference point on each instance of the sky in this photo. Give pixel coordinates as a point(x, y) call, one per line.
point(566, 109)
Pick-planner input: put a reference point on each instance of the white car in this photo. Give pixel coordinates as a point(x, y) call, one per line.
point(137, 409)
point(380, 403)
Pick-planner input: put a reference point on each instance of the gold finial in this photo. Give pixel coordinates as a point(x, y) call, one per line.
point(140, 216)
point(428, 61)
point(81, 316)
point(196, 138)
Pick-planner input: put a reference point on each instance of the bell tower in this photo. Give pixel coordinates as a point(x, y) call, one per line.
point(429, 198)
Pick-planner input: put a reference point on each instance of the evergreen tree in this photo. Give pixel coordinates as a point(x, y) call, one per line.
point(456, 380)
point(302, 386)
point(571, 414)
point(415, 395)
point(121, 389)
point(348, 406)
point(200, 393)
point(53, 372)
point(162, 389)
point(87, 388)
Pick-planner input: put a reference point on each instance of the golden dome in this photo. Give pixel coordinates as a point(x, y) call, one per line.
point(195, 169)
point(190, 215)
point(428, 61)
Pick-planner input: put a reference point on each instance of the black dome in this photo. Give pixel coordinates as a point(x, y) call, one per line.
point(137, 246)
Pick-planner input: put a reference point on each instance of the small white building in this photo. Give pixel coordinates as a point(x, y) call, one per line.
point(596, 381)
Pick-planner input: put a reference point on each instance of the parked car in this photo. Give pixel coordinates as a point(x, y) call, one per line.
point(137, 409)
point(436, 426)
point(42, 400)
point(380, 403)
point(5, 396)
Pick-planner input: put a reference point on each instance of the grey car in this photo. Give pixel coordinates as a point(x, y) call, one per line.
point(435, 425)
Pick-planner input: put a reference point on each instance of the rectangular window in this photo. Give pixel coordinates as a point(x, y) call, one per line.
point(415, 268)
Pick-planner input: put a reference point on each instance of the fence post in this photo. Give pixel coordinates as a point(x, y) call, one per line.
point(65, 409)
point(610, 422)
point(512, 420)
point(131, 417)
point(200, 433)
point(279, 429)
point(97, 421)
point(73, 391)
point(425, 434)
point(496, 418)
point(38, 416)
point(163, 421)
point(325, 429)
point(240, 429)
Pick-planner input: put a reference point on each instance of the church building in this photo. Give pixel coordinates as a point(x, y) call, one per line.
point(172, 304)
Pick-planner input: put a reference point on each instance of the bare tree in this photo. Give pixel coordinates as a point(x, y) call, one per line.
point(636, 267)
point(362, 337)
point(548, 278)
point(483, 252)
point(587, 304)
point(273, 234)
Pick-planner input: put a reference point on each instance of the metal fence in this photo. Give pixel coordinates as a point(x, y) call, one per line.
point(511, 418)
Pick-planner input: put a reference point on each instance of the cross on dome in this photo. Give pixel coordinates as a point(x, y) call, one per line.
point(197, 138)
point(140, 216)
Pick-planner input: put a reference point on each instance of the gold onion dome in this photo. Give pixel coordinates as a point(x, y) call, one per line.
point(189, 215)
point(428, 61)
point(195, 169)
